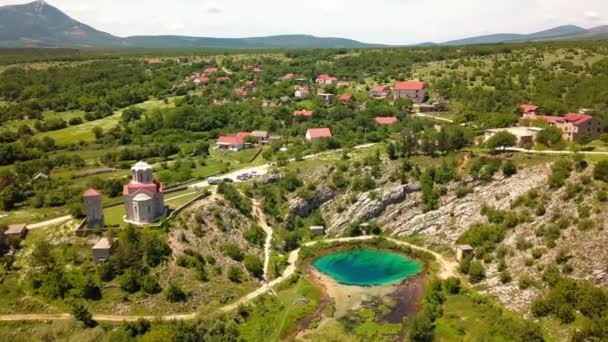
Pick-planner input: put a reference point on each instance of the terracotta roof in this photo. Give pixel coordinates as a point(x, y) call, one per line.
point(223, 78)
point(202, 79)
point(410, 85)
point(289, 76)
point(527, 108)
point(386, 120)
point(303, 112)
point(92, 193)
point(232, 140)
point(210, 70)
point(326, 77)
point(345, 97)
point(134, 187)
point(257, 69)
point(574, 118)
point(319, 133)
point(303, 91)
point(379, 88)
point(154, 61)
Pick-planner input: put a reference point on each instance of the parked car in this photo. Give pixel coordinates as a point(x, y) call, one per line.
point(242, 177)
point(228, 180)
point(214, 180)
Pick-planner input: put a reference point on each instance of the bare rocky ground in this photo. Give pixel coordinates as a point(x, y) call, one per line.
point(398, 209)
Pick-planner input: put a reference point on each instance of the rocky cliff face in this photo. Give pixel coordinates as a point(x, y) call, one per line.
point(301, 207)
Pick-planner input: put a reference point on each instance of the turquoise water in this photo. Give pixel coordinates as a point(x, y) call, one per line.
point(367, 267)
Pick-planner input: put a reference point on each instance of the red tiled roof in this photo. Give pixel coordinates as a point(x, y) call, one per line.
point(410, 85)
point(527, 108)
point(257, 69)
point(210, 70)
point(303, 112)
point(92, 193)
point(577, 119)
point(232, 140)
point(250, 83)
point(304, 91)
point(326, 77)
point(379, 89)
point(345, 97)
point(319, 133)
point(151, 188)
point(154, 61)
point(202, 79)
point(223, 78)
point(289, 76)
point(386, 120)
point(243, 134)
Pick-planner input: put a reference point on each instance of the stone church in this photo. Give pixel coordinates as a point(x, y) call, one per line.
point(144, 198)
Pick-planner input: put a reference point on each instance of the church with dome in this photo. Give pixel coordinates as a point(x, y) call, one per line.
point(144, 198)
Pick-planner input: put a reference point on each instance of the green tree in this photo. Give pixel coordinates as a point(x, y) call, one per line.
point(501, 139)
point(235, 274)
point(254, 266)
point(82, 314)
point(175, 294)
point(600, 171)
point(550, 136)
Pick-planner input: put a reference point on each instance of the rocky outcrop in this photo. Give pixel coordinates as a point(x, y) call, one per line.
point(301, 207)
point(368, 205)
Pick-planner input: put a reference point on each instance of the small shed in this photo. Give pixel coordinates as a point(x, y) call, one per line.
point(317, 230)
point(16, 231)
point(463, 251)
point(102, 250)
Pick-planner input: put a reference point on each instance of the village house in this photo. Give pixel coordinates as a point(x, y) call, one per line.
point(16, 231)
point(93, 208)
point(223, 79)
point(528, 110)
point(526, 136)
point(303, 112)
point(386, 120)
point(154, 61)
point(210, 71)
point(327, 98)
point(289, 76)
point(379, 92)
point(102, 250)
point(201, 80)
point(574, 124)
point(143, 196)
point(345, 98)
point(258, 70)
point(326, 80)
point(317, 230)
point(315, 134)
point(302, 93)
point(230, 142)
point(414, 90)
point(462, 251)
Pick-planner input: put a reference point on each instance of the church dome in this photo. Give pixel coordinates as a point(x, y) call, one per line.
point(141, 165)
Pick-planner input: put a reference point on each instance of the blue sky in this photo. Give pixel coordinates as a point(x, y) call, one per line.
point(377, 21)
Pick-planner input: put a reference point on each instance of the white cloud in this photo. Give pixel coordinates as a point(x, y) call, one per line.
point(378, 21)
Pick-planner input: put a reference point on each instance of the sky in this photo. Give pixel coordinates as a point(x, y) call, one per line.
point(376, 21)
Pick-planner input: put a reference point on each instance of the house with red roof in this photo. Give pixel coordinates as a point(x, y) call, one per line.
point(302, 93)
point(210, 71)
point(231, 142)
point(154, 61)
point(303, 112)
point(386, 120)
point(201, 80)
point(325, 79)
point(223, 79)
point(379, 92)
point(143, 196)
point(414, 90)
point(258, 70)
point(574, 124)
point(345, 98)
point(315, 134)
point(93, 208)
point(289, 76)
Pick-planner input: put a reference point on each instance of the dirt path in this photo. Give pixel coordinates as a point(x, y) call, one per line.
point(49, 223)
point(260, 219)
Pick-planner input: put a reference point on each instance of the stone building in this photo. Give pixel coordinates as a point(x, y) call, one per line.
point(102, 250)
point(93, 208)
point(144, 197)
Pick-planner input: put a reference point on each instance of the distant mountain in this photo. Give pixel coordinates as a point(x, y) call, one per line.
point(38, 24)
point(560, 31)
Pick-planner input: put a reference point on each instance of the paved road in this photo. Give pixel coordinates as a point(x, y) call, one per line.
point(433, 117)
point(49, 223)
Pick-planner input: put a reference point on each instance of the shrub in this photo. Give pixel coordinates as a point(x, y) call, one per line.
point(82, 314)
point(235, 274)
point(501, 139)
point(476, 272)
point(600, 171)
point(234, 252)
point(509, 168)
point(175, 294)
point(254, 266)
point(149, 284)
point(505, 277)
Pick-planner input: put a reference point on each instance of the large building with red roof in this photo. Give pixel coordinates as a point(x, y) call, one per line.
point(144, 196)
point(575, 124)
point(303, 112)
point(232, 142)
point(414, 90)
point(379, 92)
point(386, 120)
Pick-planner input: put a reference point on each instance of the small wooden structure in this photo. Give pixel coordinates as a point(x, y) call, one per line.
point(462, 251)
point(317, 230)
point(102, 250)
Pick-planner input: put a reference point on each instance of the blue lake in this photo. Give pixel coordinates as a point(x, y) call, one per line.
point(367, 267)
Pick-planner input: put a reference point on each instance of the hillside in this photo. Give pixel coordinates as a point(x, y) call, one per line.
point(39, 24)
point(567, 32)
